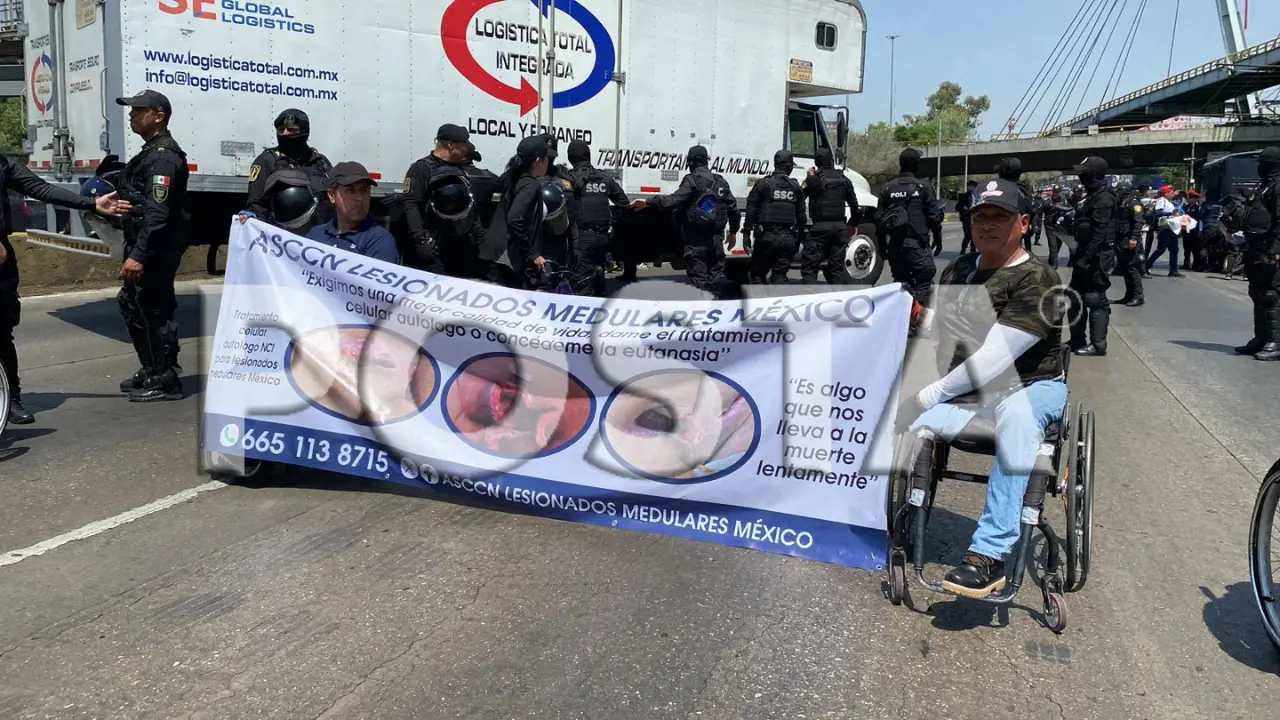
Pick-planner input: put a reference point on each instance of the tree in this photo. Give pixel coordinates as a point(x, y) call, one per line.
point(13, 124)
point(959, 118)
point(874, 153)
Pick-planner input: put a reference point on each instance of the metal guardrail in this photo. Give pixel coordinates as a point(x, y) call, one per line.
point(11, 18)
point(1227, 61)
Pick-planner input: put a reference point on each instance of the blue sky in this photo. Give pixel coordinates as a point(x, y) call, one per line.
point(996, 48)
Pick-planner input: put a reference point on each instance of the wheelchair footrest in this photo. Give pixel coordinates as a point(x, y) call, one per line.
point(964, 477)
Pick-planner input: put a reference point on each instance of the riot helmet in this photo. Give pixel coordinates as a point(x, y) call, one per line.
point(291, 200)
point(108, 229)
point(555, 208)
point(452, 205)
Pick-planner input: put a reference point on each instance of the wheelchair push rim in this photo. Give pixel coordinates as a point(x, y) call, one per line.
point(5, 400)
point(1071, 498)
point(1262, 564)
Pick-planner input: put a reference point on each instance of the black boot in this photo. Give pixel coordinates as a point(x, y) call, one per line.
point(19, 415)
point(1091, 351)
point(134, 381)
point(1268, 353)
point(1251, 347)
point(165, 386)
point(977, 577)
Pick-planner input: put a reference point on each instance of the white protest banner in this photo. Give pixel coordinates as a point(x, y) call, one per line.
point(726, 422)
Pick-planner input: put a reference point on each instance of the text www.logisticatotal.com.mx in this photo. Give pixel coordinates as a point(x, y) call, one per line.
point(206, 83)
point(224, 62)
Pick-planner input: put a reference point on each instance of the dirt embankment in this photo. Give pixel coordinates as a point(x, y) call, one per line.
point(45, 271)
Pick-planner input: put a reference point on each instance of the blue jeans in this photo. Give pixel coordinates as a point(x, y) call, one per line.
point(1020, 422)
point(1167, 240)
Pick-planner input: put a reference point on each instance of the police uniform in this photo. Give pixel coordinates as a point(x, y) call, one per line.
point(775, 212)
point(291, 152)
point(1092, 260)
point(703, 254)
point(594, 191)
point(964, 206)
point(446, 249)
point(829, 193)
point(910, 261)
point(1129, 259)
point(19, 179)
point(155, 182)
point(1262, 259)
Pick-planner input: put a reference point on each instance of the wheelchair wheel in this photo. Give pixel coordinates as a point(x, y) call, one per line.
point(1055, 612)
point(1086, 491)
point(897, 581)
point(1262, 557)
point(1072, 498)
point(5, 399)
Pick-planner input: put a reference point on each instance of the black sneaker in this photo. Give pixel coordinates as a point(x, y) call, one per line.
point(1091, 351)
point(19, 415)
point(158, 388)
point(134, 381)
point(1251, 347)
point(1136, 303)
point(977, 577)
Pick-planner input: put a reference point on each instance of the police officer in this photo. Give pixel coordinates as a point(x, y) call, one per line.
point(1262, 257)
point(1058, 217)
point(1129, 259)
point(1011, 169)
point(704, 205)
point(559, 246)
point(907, 212)
point(829, 192)
point(438, 206)
point(775, 212)
point(1094, 255)
point(155, 182)
point(964, 205)
point(594, 191)
point(1037, 217)
point(293, 128)
point(19, 179)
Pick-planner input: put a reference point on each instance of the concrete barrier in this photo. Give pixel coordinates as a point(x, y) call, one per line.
point(45, 271)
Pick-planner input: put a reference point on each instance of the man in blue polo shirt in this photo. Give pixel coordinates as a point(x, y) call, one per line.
point(351, 228)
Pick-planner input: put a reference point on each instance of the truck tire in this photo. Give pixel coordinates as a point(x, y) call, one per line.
point(865, 263)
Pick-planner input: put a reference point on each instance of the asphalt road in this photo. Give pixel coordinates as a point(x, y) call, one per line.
point(340, 598)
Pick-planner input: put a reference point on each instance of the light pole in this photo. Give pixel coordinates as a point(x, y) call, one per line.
point(892, 88)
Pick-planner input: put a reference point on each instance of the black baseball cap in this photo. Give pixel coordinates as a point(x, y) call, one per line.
point(453, 133)
point(1001, 193)
point(532, 148)
point(784, 157)
point(349, 173)
point(148, 99)
point(1094, 164)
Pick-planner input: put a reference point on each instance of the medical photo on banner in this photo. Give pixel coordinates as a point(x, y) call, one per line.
point(743, 423)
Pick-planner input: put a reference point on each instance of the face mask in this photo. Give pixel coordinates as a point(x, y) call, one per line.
point(292, 145)
point(1090, 179)
point(1266, 169)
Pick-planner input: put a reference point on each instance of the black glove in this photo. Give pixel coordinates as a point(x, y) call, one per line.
point(908, 412)
point(425, 249)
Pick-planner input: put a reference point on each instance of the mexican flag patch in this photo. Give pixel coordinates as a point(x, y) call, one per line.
point(160, 180)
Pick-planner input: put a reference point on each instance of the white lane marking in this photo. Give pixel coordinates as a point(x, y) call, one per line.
point(95, 528)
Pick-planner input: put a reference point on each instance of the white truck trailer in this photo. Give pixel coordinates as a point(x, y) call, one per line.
point(640, 81)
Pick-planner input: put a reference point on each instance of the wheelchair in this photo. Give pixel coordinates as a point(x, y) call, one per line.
point(1067, 474)
point(1262, 554)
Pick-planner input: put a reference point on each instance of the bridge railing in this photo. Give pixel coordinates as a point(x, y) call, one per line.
point(11, 19)
point(1227, 61)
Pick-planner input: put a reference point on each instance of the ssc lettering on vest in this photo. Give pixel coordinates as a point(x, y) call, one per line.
point(786, 195)
point(596, 187)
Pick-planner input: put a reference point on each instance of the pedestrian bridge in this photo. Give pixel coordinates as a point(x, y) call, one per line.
point(1121, 150)
point(1191, 92)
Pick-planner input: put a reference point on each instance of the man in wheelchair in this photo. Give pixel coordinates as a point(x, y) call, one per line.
point(1000, 345)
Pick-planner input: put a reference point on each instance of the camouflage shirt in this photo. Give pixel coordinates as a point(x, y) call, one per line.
point(1022, 297)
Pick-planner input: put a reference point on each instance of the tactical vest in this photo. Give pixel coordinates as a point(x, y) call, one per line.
point(591, 188)
point(829, 205)
point(780, 200)
point(908, 192)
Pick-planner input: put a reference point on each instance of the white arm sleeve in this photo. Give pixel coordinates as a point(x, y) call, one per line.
point(997, 354)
